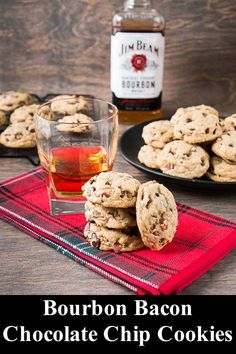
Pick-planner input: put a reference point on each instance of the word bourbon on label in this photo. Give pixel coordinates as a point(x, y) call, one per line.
point(137, 61)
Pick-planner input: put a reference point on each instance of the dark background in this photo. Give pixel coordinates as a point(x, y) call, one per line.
point(63, 46)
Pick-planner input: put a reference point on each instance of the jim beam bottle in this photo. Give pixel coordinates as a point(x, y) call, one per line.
point(137, 61)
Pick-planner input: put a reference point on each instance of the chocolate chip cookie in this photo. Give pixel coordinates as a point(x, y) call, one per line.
point(205, 110)
point(24, 114)
point(196, 127)
point(230, 123)
point(148, 156)
point(158, 133)
point(19, 136)
point(112, 190)
point(69, 104)
point(225, 146)
point(76, 123)
point(221, 171)
point(182, 159)
point(12, 100)
point(157, 216)
point(113, 218)
point(105, 239)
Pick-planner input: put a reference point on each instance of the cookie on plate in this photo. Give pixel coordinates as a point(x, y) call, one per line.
point(205, 110)
point(106, 239)
point(24, 114)
point(158, 133)
point(112, 189)
point(182, 159)
point(225, 146)
point(230, 123)
point(76, 123)
point(113, 218)
point(157, 216)
point(68, 104)
point(195, 127)
point(221, 171)
point(3, 118)
point(147, 155)
point(19, 136)
point(12, 100)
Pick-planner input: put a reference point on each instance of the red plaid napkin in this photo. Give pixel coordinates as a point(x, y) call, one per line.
point(200, 242)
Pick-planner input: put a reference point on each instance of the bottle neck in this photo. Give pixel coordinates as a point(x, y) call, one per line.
point(133, 4)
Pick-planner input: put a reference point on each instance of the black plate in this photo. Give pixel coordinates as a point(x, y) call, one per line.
point(130, 144)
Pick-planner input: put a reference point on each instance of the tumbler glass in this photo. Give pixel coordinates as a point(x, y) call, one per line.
point(76, 139)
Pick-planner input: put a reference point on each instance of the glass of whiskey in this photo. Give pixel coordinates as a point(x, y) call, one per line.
point(77, 138)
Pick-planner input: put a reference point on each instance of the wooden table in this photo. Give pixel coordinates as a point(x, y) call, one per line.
point(30, 267)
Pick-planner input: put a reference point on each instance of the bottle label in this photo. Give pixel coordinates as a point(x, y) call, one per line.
point(137, 61)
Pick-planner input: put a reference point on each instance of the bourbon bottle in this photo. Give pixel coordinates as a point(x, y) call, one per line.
point(137, 61)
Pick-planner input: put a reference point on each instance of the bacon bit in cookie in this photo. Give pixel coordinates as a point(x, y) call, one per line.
point(163, 223)
point(169, 166)
point(117, 247)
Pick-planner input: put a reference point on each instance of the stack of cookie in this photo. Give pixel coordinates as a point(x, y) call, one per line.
point(110, 212)
point(114, 200)
point(181, 147)
point(20, 108)
point(17, 111)
point(72, 111)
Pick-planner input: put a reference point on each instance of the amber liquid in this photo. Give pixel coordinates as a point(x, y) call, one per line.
point(137, 116)
point(71, 167)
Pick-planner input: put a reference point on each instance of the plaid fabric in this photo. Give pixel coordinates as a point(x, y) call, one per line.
point(200, 242)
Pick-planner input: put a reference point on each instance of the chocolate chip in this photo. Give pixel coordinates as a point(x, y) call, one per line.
point(207, 130)
point(214, 131)
point(122, 194)
point(96, 244)
point(162, 241)
point(105, 194)
point(188, 154)
point(189, 120)
point(202, 161)
point(18, 136)
point(231, 145)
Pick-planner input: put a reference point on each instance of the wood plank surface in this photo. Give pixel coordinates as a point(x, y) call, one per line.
point(63, 46)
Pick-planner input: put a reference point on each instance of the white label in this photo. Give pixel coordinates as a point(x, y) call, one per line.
point(137, 61)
